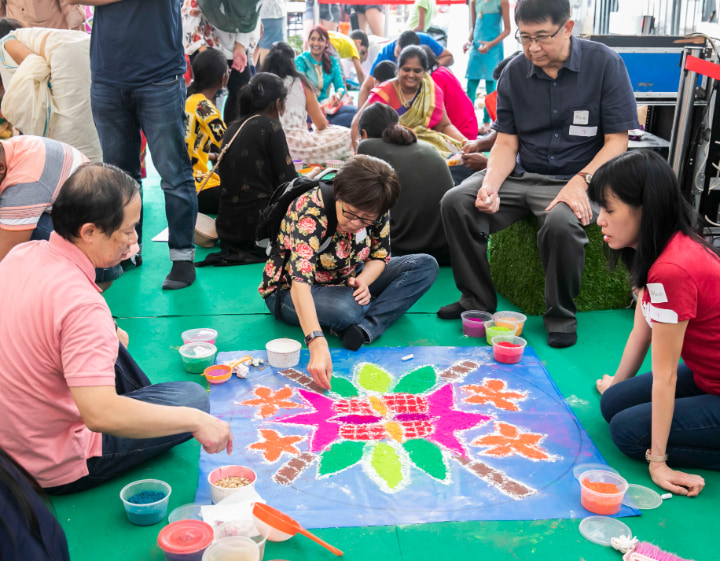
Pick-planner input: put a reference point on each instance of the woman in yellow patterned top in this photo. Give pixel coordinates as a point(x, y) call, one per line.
point(204, 129)
point(352, 287)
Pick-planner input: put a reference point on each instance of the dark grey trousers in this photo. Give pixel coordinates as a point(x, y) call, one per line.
point(561, 241)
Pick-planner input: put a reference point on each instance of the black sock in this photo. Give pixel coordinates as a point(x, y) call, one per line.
point(353, 338)
point(181, 275)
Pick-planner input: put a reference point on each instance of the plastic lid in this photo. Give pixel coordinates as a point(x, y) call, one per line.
point(190, 511)
point(579, 469)
point(601, 529)
point(185, 536)
point(641, 497)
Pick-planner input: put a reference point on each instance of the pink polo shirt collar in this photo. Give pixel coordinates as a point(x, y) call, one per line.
point(74, 254)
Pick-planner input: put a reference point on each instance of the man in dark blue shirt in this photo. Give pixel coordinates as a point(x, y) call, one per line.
point(137, 62)
point(564, 109)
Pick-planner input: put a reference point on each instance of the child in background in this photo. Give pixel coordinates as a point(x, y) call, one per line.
point(384, 71)
point(205, 128)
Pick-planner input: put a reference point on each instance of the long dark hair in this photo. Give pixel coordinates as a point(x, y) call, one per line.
point(382, 121)
point(326, 62)
point(11, 476)
point(280, 61)
point(261, 92)
point(643, 179)
point(433, 62)
point(209, 68)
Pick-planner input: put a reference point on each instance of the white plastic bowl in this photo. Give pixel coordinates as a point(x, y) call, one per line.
point(219, 493)
point(283, 353)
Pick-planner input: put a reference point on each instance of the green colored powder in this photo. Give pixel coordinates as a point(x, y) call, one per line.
point(386, 463)
point(373, 378)
point(417, 381)
point(343, 387)
point(340, 456)
point(427, 457)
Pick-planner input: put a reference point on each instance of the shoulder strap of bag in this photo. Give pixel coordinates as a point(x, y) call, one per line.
point(222, 153)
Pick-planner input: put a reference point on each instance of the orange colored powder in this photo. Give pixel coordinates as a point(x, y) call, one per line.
point(600, 487)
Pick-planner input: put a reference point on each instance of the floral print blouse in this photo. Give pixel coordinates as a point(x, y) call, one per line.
point(302, 231)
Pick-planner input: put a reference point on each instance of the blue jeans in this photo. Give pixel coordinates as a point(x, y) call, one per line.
point(694, 440)
point(402, 283)
point(159, 110)
point(343, 116)
point(42, 232)
point(122, 454)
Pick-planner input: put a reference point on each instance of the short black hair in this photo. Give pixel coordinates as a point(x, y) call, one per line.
point(408, 38)
point(209, 68)
point(497, 71)
point(8, 25)
point(536, 11)
point(367, 183)
point(362, 36)
point(94, 194)
point(384, 70)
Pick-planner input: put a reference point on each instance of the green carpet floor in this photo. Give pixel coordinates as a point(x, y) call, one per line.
point(226, 299)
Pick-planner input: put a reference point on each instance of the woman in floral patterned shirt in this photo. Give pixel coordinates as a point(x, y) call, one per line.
point(352, 286)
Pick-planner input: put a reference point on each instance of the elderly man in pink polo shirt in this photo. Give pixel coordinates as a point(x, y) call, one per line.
point(77, 410)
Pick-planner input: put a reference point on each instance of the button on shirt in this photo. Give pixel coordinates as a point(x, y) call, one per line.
point(561, 122)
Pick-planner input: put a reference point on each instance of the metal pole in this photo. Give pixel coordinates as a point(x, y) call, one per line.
point(682, 120)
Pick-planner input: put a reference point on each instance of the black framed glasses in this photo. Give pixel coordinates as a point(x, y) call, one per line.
point(353, 216)
point(541, 39)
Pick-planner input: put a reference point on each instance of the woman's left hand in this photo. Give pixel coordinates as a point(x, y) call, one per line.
point(361, 292)
point(239, 57)
point(484, 48)
point(674, 481)
point(604, 383)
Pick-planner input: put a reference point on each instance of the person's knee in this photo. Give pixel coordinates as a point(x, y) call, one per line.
point(560, 223)
point(426, 264)
point(196, 397)
point(628, 433)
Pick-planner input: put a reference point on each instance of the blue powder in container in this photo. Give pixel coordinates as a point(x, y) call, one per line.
point(146, 497)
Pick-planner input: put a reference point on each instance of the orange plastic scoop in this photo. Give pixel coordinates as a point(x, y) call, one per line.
point(282, 522)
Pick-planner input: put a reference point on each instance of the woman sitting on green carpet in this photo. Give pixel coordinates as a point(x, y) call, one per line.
point(670, 416)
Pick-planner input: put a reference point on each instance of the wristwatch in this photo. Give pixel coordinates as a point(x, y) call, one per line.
point(585, 175)
point(312, 336)
point(650, 457)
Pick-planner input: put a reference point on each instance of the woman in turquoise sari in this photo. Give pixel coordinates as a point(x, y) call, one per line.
point(491, 24)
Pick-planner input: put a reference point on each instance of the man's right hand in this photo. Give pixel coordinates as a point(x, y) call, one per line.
point(487, 201)
point(320, 365)
point(213, 434)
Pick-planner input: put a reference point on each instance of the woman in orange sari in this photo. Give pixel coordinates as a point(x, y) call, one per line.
point(419, 103)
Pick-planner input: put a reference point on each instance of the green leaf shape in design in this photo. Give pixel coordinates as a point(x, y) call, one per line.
point(428, 457)
point(340, 456)
point(343, 387)
point(373, 378)
point(386, 463)
point(417, 381)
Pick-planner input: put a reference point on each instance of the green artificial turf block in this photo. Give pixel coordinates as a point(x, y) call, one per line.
point(517, 271)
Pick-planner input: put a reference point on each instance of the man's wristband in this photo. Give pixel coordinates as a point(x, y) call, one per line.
point(650, 457)
point(312, 336)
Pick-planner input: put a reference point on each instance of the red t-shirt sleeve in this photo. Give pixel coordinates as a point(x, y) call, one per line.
point(89, 346)
point(680, 290)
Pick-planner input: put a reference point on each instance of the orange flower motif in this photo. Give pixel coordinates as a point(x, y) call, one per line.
point(269, 403)
point(274, 444)
point(507, 441)
point(494, 391)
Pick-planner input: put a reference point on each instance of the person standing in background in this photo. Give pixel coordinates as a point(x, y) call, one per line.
point(137, 65)
point(57, 14)
point(199, 34)
point(273, 14)
point(490, 25)
point(421, 15)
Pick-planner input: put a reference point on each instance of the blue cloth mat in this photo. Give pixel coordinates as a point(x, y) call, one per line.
point(447, 435)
